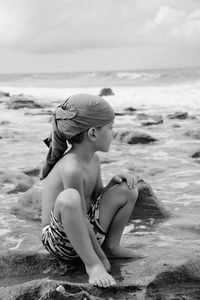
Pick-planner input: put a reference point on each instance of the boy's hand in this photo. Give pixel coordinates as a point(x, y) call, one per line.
point(129, 178)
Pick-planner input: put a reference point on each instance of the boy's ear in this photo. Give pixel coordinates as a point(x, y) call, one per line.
point(92, 134)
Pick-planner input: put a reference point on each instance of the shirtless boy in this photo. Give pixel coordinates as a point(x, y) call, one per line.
point(81, 219)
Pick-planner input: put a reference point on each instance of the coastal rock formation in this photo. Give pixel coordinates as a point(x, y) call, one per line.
point(106, 92)
point(29, 203)
point(178, 115)
point(23, 101)
point(54, 280)
point(196, 154)
point(26, 266)
point(181, 282)
point(15, 181)
point(5, 122)
point(34, 171)
point(194, 133)
point(153, 120)
point(147, 204)
point(4, 94)
point(130, 109)
point(131, 137)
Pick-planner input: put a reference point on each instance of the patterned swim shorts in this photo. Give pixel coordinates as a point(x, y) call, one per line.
point(55, 239)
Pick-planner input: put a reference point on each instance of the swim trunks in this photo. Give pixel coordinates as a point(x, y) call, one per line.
point(55, 239)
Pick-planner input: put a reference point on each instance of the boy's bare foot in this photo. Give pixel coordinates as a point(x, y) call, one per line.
point(98, 276)
point(121, 252)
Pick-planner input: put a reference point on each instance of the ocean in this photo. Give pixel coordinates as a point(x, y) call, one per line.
point(170, 88)
point(166, 164)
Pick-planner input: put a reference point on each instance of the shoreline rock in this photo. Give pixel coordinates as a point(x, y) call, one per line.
point(25, 275)
point(19, 181)
point(131, 137)
point(22, 101)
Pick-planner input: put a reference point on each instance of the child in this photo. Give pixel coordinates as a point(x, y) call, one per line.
point(80, 217)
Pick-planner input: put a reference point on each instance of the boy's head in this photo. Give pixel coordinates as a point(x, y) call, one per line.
point(76, 115)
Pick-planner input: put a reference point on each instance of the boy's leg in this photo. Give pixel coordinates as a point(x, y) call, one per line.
point(115, 208)
point(68, 210)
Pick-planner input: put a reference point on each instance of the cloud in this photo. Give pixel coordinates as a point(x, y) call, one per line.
point(174, 26)
point(49, 26)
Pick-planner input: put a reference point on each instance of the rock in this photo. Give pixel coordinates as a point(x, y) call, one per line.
point(130, 137)
point(150, 119)
point(147, 204)
point(152, 122)
point(130, 109)
point(5, 122)
point(143, 116)
point(178, 115)
point(22, 101)
point(42, 112)
point(175, 125)
point(16, 181)
point(181, 282)
point(24, 267)
point(196, 154)
point(60, 288)
point(29, 204)
point(4, 94)
point(34, 171)
point(106, 92)
point(193, 133)
point(118, 114)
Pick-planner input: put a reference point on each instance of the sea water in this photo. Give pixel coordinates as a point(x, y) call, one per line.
point(168, 88)
point(166, 165)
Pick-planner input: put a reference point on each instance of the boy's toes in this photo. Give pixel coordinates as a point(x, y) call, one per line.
point(93, 282)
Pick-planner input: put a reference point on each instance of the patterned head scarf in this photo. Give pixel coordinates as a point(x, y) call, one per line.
point(77, 114)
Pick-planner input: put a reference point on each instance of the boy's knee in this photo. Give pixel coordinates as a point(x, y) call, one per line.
point(131, 195)
point(69, 199)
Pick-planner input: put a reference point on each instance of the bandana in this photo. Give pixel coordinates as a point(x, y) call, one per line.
point(77, 114)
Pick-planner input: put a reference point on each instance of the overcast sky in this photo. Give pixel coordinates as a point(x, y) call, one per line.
point(90, 35)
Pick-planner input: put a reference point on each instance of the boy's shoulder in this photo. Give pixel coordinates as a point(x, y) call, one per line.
point(70, 163)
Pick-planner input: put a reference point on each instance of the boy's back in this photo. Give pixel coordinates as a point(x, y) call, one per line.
point(65, 174)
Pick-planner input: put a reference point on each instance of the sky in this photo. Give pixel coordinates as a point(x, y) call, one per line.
point(98, 35)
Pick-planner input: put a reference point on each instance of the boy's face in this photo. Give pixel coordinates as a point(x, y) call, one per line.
point(104, 137)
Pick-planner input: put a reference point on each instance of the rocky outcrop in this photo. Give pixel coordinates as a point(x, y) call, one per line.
point(34, 171)
point(153, 121)
point(5, 122)
point(195, 133)
point(15, 181)
point(106, 92)
point(26, 266)
point(4, 94)
point(29, 203)
point(130, 109)
point(178, 115)
point(23, 101)
point(131, 137)
point(196, 154)
point(147, 204)
point(32, 275)
point(181, 282)
point(41, 112)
